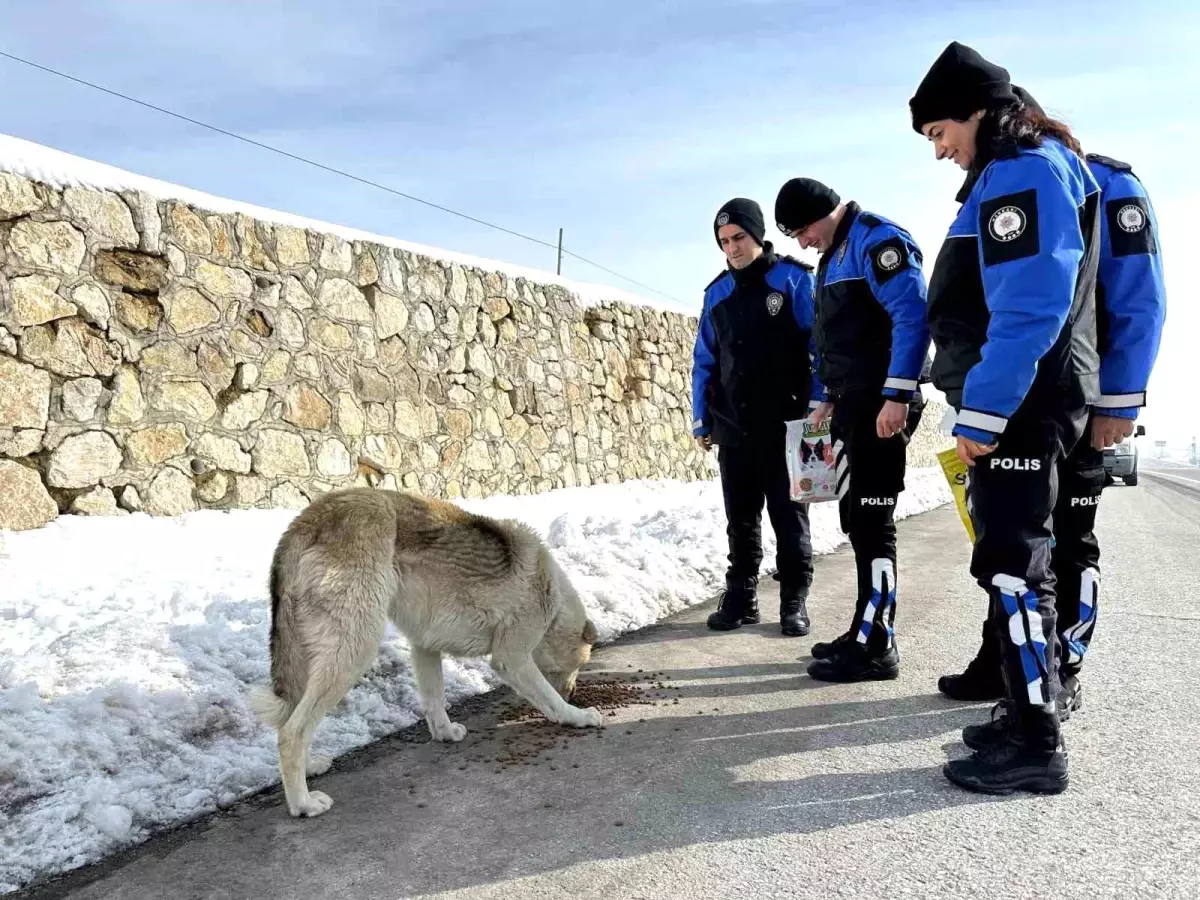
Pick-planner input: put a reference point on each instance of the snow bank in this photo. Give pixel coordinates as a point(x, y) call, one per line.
point(59, 169)
point(127, 645)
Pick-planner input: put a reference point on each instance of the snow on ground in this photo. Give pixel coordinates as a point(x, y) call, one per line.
point(59, 169)
point(127, 646)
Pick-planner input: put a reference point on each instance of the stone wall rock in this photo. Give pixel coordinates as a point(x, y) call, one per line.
point(24, 501)
point(159, 358)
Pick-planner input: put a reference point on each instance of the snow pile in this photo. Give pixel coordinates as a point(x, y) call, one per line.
point(127, 646)
point(58, 169)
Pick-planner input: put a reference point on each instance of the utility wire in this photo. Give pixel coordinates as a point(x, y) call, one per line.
point(331, 169)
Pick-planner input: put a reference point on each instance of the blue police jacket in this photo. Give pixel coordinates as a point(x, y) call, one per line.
point(752, 367)
point(1131, 296)
point(1012, 296)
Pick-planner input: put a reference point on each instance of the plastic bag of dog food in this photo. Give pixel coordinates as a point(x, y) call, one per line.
point(812, 467)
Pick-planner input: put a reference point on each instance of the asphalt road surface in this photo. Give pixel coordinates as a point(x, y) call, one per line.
point(746, 779)
point(1171, 473)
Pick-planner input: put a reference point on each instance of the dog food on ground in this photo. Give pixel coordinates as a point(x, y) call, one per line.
point(605, 694)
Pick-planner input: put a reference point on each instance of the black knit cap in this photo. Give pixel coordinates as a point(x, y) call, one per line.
point(959, 82)
point(743, 212)
point(1026, 99)
point(803, 201)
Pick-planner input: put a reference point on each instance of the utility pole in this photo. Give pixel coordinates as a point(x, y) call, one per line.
point(558, 268)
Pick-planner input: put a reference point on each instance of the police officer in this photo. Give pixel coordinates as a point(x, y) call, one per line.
point(1130, 309)
point(872, 342)
point(751, 374)
point(1012, 314)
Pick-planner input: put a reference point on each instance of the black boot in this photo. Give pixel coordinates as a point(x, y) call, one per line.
point(1070, 698)
point(983, 678)
point(793, 611)
point(1031, 757)
point(993, 732)
point(978, 737)
point(854, 662)
point(827, 649)
point(738, 607)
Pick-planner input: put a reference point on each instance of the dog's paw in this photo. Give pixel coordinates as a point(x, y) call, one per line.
point(585, 718)
point(312, 806)
point(450, 732)
point(317, 765)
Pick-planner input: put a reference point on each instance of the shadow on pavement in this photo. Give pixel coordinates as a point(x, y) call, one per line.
point(412, 818)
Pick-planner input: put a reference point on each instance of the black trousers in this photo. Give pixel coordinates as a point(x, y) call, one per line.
point(870, 479)
point(1075, 556)
point(1014, 491)
point(754, 471)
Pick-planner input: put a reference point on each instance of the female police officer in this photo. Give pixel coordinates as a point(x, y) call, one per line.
point(1012, 316)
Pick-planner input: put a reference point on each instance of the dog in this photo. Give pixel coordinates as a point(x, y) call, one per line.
point(452, 582)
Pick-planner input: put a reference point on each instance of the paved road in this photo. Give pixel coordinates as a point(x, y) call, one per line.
point(759, 782)
point(1171, 473)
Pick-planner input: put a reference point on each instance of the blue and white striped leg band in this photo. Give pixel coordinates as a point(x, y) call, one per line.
point(1026, 631)
point(883, 600)
point(1089, 605)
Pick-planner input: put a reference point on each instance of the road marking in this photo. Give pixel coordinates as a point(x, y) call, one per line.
point(1193, 483)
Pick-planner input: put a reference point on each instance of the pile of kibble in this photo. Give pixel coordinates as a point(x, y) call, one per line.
point(606, 693)
point(521, 736)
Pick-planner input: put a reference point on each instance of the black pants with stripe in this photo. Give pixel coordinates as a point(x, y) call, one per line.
point(1075, 557)
point(754, 471)
point(1014, 491)
point(870, 479)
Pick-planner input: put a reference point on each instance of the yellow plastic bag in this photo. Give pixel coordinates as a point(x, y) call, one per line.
point(955, 471)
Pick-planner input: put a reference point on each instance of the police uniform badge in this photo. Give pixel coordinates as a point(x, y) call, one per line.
point(774, 303)
point(889, 259)
point(1131, 218)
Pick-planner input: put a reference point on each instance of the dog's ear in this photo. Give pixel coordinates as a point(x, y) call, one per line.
point(589, 632)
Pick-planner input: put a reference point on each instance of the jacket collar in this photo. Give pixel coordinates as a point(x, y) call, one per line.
point(843, 231)
point(757, 269)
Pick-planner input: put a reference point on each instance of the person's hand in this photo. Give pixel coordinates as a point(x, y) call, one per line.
point(1109, 430)
point(704, 442)
point(968, 449)
point(822, 412)
point(891, 419)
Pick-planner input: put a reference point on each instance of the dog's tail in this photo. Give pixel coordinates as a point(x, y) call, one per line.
point(273, 710)
point(271, 700)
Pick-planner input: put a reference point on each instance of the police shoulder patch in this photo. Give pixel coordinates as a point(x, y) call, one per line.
point(1130, 230)
point(1008, 227)
point(888, 259)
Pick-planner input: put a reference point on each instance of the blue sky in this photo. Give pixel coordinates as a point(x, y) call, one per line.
point(627, 125)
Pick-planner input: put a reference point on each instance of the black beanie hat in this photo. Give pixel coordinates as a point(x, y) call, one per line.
point(747, 213)
point(803, 201)
point(959, 82)
point(1026, 99)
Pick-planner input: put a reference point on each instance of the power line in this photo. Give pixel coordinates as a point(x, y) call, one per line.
point(331, 169)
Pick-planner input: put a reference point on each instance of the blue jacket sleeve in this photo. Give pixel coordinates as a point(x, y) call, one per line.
point(1135, 297)
point(803, 287)
point(1030, 248)
point(704, 363)
point(893, 268)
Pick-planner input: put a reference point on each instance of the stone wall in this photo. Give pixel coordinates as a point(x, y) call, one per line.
point(157, 357)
